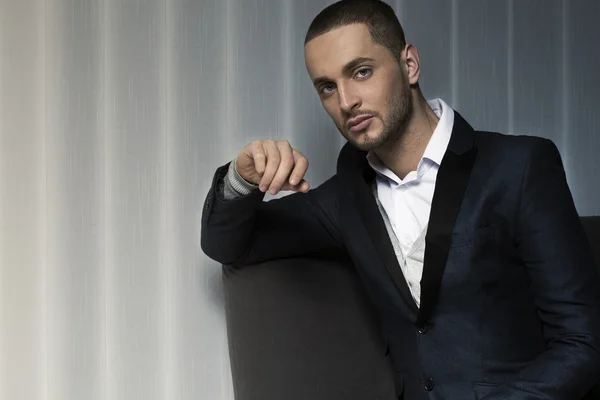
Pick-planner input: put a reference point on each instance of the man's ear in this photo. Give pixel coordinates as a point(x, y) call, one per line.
point(412, 64)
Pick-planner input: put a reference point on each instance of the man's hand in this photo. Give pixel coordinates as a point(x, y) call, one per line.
point(273, 165)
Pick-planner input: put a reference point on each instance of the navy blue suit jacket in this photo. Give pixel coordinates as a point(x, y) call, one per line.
point(510, 295)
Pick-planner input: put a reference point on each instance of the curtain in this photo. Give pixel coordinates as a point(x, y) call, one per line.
point(114, 115)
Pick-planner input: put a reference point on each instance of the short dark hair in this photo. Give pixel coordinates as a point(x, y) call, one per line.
point(378, 16)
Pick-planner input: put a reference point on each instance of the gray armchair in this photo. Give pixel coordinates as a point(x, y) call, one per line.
point(301, 329)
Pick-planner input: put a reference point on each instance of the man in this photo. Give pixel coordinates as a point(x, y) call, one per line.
point(468, 242)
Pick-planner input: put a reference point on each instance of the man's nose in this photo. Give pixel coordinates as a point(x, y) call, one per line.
point(348, 100)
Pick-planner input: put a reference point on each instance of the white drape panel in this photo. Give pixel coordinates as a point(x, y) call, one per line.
point(115, 113)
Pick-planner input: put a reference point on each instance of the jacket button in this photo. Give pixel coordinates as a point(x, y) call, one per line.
point(429, 384)
point(423, 329)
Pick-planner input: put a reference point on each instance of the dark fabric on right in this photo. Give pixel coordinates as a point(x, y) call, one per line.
point(591, 225)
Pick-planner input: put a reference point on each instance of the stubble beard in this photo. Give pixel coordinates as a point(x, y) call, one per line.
point(400, 108)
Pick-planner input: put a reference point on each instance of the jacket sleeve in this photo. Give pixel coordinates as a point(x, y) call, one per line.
point(248, 230)
point(565, 284)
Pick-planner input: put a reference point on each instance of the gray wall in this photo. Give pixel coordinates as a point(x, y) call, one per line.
point(115, 113)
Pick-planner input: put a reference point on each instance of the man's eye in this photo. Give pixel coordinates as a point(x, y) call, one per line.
point(326, 87)
point(363, 72)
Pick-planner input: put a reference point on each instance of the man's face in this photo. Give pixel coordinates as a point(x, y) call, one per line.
point(357, 78)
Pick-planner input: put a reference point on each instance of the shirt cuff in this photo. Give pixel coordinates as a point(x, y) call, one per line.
point(235, 185)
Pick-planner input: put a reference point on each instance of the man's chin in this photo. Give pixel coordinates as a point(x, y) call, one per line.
point(366, 142)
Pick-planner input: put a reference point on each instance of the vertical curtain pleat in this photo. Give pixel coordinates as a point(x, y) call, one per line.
point(24, 265)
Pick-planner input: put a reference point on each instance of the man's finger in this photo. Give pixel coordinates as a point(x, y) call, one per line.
point(300, 168)
point(286, 165)
point(273, 160)
point(303, 186)
point(257, 153)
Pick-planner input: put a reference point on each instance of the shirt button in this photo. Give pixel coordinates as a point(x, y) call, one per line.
point(429, 384)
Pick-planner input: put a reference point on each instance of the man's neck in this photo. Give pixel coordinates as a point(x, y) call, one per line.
point(402, 154)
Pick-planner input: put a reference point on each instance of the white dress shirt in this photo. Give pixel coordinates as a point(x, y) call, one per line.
point(407, 202)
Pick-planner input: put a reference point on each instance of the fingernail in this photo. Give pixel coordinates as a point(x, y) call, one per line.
point(293, 181)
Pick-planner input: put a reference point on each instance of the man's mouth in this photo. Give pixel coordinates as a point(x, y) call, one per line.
point(359, 123)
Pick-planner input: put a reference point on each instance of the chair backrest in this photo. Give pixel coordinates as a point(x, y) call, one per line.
point(304, 329)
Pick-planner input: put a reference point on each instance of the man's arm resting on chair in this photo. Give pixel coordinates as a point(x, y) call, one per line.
point(240, 228)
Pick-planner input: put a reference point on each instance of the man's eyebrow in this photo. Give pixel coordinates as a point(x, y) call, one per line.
point(347, 69)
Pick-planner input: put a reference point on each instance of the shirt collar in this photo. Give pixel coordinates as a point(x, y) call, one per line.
point(436, 148)
point(438, 143)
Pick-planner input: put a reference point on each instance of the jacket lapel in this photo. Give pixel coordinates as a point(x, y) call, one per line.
point(376, 230)
point(451, 183)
